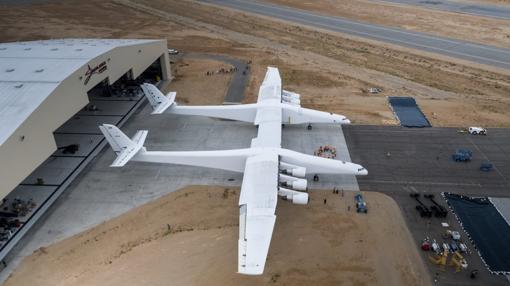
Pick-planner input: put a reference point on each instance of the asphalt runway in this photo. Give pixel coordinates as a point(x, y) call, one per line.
point(420, 160)
point(485, 10)
point(478, 53)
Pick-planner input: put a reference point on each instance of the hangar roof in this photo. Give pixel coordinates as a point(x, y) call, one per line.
point(30, 71)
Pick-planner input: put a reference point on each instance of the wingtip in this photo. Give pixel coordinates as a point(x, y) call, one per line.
point(253, 271)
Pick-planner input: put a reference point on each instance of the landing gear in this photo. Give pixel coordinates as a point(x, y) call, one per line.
point(309, 127)
point(315, 178)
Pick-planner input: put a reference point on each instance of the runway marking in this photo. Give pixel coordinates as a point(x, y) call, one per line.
point(487, 159)
point(425, 47)
point(303, 12)
point(447, 8)
point(421, 183)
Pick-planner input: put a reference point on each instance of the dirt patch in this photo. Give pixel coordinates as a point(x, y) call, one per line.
point(190, 237)
point(193, 84)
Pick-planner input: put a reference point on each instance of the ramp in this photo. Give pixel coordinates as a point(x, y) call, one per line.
point(486, 228)
point(407, 112)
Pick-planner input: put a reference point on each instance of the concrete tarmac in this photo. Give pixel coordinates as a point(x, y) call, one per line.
point(100, 192)
point(478, 53)
point(407, 160)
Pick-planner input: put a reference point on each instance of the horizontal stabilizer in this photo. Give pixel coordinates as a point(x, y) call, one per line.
point(124, 147)
point(158, 100)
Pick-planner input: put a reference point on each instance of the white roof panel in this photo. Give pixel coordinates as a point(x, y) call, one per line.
point(30, 71)
point(17, 101)
point(37, 69)
point(64, 49)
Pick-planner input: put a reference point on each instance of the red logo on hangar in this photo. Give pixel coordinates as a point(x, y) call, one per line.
point(100, 68)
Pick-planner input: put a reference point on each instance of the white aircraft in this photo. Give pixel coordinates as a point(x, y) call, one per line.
point(269, 170)
point(271, 96)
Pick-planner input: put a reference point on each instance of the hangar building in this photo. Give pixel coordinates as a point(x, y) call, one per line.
point(45, 83)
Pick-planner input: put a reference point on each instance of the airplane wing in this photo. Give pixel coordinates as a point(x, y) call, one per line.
point(269, 121)
point(257, 205)
point(271, 87)
point(259, 192)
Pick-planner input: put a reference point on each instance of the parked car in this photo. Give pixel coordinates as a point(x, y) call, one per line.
point(462, 155)
point(486, 166)
point(173, 51)
point(477, 131)
point(375, 90)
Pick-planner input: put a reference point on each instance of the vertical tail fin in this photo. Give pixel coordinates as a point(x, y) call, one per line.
point(158, 100)
point(124, 147)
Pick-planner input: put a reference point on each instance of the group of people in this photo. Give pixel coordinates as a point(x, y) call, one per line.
point(222, 71)
point(326, 151)
point(337, 191)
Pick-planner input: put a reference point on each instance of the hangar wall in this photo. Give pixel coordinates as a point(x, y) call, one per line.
point(33, 141)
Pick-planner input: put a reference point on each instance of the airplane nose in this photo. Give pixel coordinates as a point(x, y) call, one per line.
point(346, 121)
point(362, 171)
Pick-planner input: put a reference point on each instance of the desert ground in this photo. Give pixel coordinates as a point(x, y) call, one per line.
point(471, 28)
point(195, 230)
point(194, 86)
point(332, 71)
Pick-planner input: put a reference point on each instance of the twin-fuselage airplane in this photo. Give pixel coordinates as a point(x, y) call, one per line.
point(269, 170)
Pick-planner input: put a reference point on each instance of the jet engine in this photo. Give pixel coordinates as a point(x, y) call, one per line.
point(292, 170)
point(290, 94)
point(293, 182)
point(292, 101)
point(300, 199)
point(297, 198)
point(291, 97)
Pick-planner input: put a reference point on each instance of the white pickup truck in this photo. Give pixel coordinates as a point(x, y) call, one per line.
point(477, 131)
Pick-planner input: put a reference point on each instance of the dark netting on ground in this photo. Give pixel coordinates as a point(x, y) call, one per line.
point(486, 229)
point(407, 112)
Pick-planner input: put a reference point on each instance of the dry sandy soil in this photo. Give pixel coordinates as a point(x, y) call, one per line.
point(332, 71)
point(453, 25)
point(189, 237)
point(194, 86)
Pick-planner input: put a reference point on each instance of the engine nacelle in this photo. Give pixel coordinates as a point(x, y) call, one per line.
point(290, 94)
point(300, 199)
point(293, 182)
point(291, 100)
point(298, 172)
point(293, 170)
point(297, 198)
point(299, 184)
